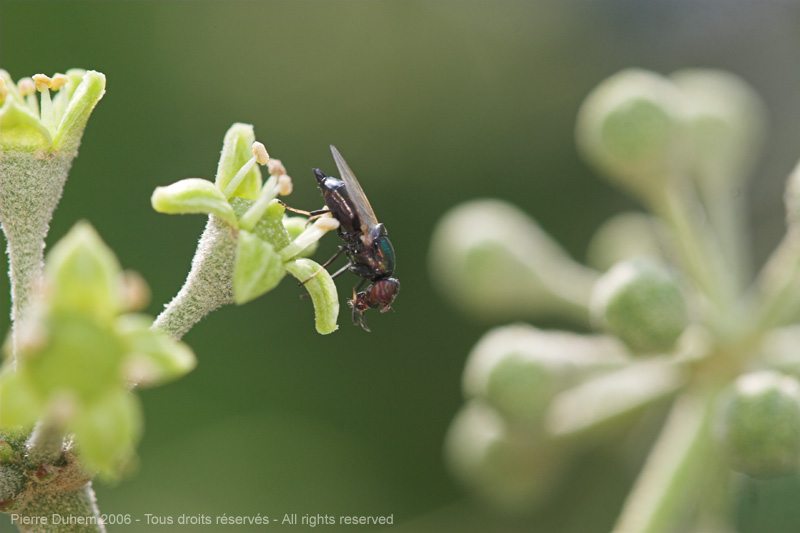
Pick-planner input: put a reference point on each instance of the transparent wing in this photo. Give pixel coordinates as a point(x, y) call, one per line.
point(359, 199)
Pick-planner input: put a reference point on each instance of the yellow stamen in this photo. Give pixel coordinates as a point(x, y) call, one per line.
point(275, 167)
point(285, 184)
point(42, 82)
point(26, 87)
point(59, 80)
point(260, 151)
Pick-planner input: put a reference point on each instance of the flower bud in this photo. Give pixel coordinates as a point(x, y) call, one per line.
point(629, 127)
point(493, 261)
point(625, 236)
point(509, 472)
point(758, 424)
point(640, 302)
point(519, 369)
point(726, 122)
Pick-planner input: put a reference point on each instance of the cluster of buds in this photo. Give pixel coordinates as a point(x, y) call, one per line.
point(679, 314)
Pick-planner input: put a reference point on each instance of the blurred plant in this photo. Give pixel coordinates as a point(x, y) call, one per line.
point(77, 348)
point(669, 293)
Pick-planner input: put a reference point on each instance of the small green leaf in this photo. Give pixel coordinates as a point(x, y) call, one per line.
point(258, 268)
point(21, 404)
point(83, 274)
point(193, 195)
point(155, 358)
point(80, 354)
point(237, 149)
point(322, 291)
point(22, 130)
point(107, 432)
point(87, 94)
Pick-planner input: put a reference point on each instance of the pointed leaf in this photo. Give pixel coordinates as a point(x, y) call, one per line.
point(154, 357)
point(237, 149)
point(258, 268)
point(21, 404)
point(22, 130)
point(193, 195)
point(322, 290)
point(88, 93)
point(107, 432)
point(83, 274)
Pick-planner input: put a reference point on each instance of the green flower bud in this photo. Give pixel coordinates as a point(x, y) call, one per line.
point(758, 424)
point(80, 355)
point(53, 125)
point(504, 469)
point(83, 275)
point(493, 261)
point(625, 236)
point(630, 127)
point(726, 123)
point(519, 369)
point(640, 302)
point(37, 146)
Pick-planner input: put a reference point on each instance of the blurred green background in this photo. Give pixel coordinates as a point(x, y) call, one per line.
point(431, 104)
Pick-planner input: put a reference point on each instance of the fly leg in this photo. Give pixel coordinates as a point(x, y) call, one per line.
point(328, 262)
point(311, 214)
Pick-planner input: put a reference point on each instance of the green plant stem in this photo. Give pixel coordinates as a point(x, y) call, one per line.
point(30, 187)
point(671, 474)
point(46, 443)
point(209, 284)
point(78, 506)
point(778, 284)
point(727, 213)
point(698, 248)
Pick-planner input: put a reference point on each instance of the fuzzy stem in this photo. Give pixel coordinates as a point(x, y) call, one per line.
point(670, 476)
point(76, 511)
point(30, 187)
point(46, 443)
point(209, 284)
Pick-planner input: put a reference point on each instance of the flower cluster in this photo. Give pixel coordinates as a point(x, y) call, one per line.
point(249, 244)
point(671, 293)
point(80, 351)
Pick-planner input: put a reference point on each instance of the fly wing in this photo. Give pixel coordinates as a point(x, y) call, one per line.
point(357, 196)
